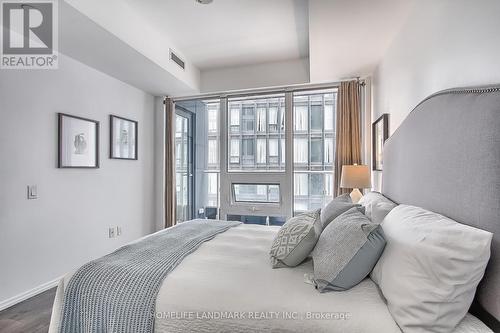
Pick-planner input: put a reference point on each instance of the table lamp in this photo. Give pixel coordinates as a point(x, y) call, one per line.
point(355, 177)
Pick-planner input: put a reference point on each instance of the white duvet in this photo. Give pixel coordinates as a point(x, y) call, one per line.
point(228, 285)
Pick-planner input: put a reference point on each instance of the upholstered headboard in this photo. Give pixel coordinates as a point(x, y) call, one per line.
point(445, 157)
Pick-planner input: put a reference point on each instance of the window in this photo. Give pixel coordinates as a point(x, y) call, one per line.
point(273, 118)
point(255, 154)
point(300, 117)
point(206, 157)
point(213, 156)
point(235, 151)
point(261, 119)
point(248, 156)
point(273, 151)
point(316, 150)
point(262, 133)
point(213, 189)
point(213, 115)
point(235, 120)
point(264, 193)
point(313, 148)
point(301, 184)
point(248, 120)
point(329, 150)
point(300, 150)
point(261, 151)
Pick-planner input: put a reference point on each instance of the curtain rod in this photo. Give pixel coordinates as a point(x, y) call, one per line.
point(275, 89)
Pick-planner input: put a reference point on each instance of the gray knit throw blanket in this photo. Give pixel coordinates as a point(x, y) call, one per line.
point(117, 293)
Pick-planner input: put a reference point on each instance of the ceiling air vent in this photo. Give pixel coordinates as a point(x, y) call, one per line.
point(175, 58)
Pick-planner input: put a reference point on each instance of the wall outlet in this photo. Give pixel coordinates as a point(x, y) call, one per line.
point(32, 192)
point(111, 232)
point(118, 231)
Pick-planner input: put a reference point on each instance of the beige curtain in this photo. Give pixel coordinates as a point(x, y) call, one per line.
point(170, 199)
point(348, 132)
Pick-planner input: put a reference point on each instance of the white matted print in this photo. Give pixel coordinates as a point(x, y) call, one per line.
point(123, 138)
point(78, 142)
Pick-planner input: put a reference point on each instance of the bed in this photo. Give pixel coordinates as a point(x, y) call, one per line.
point(450, 143)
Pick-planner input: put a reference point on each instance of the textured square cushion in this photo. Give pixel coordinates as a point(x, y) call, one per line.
point(430, 268)
point(296, 239)
point(346, 251)
point(377, 206)
point(336, 207)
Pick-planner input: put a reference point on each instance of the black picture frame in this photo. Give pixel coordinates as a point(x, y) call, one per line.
point(112, 153)
point(380, 133)
point(63, 146)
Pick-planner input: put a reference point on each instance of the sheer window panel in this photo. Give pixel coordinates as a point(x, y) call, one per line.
point(213, 189)
point(301, 184)
point(283, 152)
point(261, 151)
point(273, 151)
point(235, 151)
point(213, 153)
point(273, 119)
point(329, 118)
point(329, 148)
point(300, 117)
point(300, 150)
point(261, 119)
point(213, 119)
point(234, 120)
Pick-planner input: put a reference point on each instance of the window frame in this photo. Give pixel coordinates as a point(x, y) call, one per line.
point(284, 178)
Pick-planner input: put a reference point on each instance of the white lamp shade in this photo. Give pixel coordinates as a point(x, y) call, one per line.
point(355, 176)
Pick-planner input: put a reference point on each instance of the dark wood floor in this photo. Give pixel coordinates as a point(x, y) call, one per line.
point(29, 316)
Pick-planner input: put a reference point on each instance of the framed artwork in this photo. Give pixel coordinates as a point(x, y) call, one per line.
point(380, 133)
point(78, 142)
point(123, 138)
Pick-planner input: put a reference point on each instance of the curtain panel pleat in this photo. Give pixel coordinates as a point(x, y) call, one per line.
point(348, 131)
point(170, 198)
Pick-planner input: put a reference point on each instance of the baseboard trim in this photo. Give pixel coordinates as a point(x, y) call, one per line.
point(30, 293)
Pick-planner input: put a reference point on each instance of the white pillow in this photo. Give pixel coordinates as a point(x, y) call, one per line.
point(377, 206)
point(430, 268)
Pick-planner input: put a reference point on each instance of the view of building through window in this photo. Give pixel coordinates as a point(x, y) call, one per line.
point(206, 156)
point(256, 142)
point(313, 148)
point(256, 133)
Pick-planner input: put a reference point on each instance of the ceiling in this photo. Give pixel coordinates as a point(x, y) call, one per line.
point(348, 38)
point(229, 33)
point(233, 43)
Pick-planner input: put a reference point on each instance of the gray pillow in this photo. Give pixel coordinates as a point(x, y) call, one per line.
point(336, 207)
point(347, 251)
point(377, 206)
point(295, 240)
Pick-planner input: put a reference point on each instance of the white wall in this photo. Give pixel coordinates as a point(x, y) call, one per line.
point(68, 225)
point(444, 44)
point(256, 76)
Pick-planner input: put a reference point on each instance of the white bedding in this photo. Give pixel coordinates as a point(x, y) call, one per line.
point(231, 276)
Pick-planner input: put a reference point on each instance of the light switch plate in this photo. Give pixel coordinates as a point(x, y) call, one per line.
point(32, 192)
point(118, 231)
point(111, 232)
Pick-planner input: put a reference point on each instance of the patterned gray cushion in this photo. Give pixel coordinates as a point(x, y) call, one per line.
point(336, 207)
point(295, 240)
point(346, 251)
